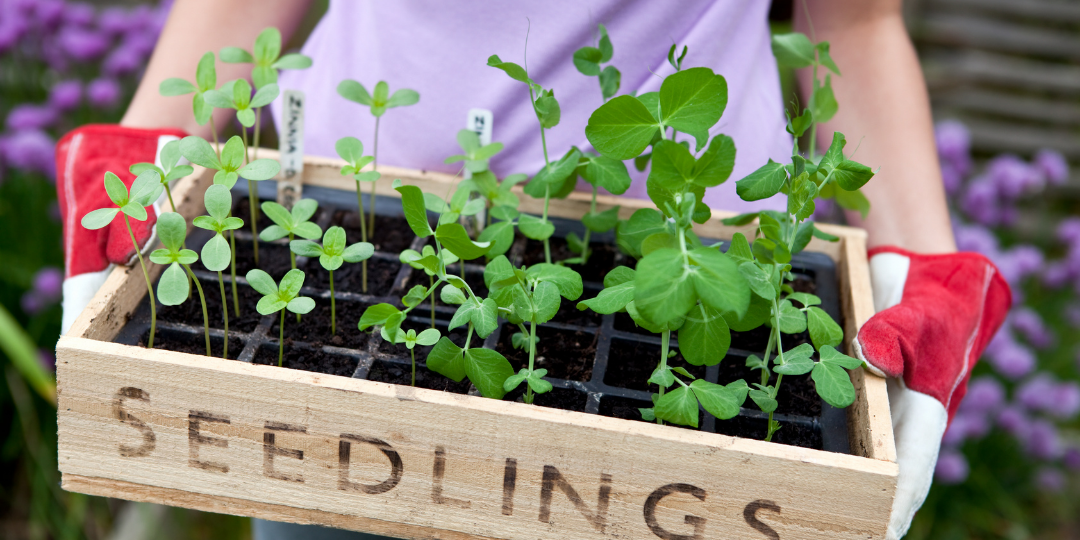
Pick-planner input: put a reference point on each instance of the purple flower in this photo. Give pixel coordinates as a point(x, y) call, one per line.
point(981, 202)
point(66, 95)
point(951, 178)
point(975, 238)
point(1068, 230)
point(1012, 176)
point(952, 467)
point(1013, 420)
point(1037, 393)
point(954, 145)
point(82, 44)
point(823, 208)
point(140, 42)
point(49, 282)
point(113, 21)
point(1012, 359)
point(1050, 480)
point(1071, 458)
point(12, 28)
point(121, 61)
point(1056, 275)
point(30, 116)
point(48, 13)
point(984, 396)
point(1043, 441)
point(31, 150)
point(79, 14)
point(1066, 401)
point(1053, 166)
point(103, 93)
point(1026, 321)
point(965, 426)
point(47, 359)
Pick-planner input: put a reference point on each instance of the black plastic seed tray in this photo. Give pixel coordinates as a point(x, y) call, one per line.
point(606, 375)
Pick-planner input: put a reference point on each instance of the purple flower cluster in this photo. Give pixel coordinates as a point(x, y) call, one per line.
point(89, 52)
point(45, 290)
point(986, 200)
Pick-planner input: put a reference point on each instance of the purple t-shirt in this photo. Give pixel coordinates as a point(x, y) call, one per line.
point(440, 49)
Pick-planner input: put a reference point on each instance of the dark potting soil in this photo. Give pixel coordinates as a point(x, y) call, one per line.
point(398, 373)
point(191, 343)
point(350, 277)
point(566, 354)
point(392, 233)
point(306, 359)
point(569, 313)
point(603, 258)
point(241, 210)
point(475, 279)
point(273, 259)
point(314, 327)
point(558, 398)
point(190, 312)
point(631, 363)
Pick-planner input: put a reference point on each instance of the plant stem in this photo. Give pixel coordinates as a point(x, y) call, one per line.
point(213, 131)
point(532, 358)
point(363, 237)
point(665, 343)
point(588, 231)
point(253, 204)
point(169, 193)
point(431, 286)
point(374, 167)
point(780, 356)
point(813, 125)
point(547, 189)
point(232, 272)
point(292, 256)
point(412, 353)
point(547, 243)
point(225, 313)
point(255, 148)
point(202, 300)
point(281, 338)
point(149, 286)
point(333, 306)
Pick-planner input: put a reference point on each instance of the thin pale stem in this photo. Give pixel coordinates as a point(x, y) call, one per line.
point(813, 126)
point(532, 359)
point(431, 287)
point(253, 203)
point(363, 237)
point(224, 313)
point(412, 353)
point(588, 231)
point(780, 355)
point(665, 343)
point(547, 243)
point(547, 190)
point(205, 315)
point(213, 131)
point(333, 306)
point(232, 273)
point(374, 167)
point(255, 146)
point(281, 339)
point(149, 286)
point(169, 193)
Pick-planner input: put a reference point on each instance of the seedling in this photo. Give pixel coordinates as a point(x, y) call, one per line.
point(144, 191)
point(285, 297)
point(216, 253)
point(169, 170)
point(412, 258)
point(412, 339)
point(173, 287)
point(378, 103)
point(587, 60)
point(230, 167)
point(205, 81)
point(291, 224)
point(332, 254)
point(599, 172)
point(476, 158)
point(352, 151)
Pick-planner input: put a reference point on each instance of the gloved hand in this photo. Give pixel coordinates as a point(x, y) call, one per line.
point(82, 158)
point(935, 315)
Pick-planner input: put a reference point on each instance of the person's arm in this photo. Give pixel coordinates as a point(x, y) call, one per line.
point(193, 28)
point(885, 113)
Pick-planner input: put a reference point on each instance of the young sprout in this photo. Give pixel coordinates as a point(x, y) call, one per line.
point(412, 258)
point(169, 170)
point(428, 337)
point(352, 151)
point(599, 172)
point(332, 254)
point(587, 60)
point(230, 167)
point(291, 224)
point(285, 297)
point(144, 191)
point(205, 81)
point(216, 253)
point(173, 287)
point(475, 156)
point(268, 61)
point(378, 103)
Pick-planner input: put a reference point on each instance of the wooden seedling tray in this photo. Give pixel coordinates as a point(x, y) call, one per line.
point(262, 441)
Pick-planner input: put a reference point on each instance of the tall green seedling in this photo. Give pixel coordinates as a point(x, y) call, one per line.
point(588, 61)
point(169, 171)
point(173, 287)
point(332, 254)
point(377, 103)
point(411, 339)
point(352, 151)
point(413, 258)
point(291, 223)
point(132, 204)
point(216, 254)
point(205, 81)
point(285, 296)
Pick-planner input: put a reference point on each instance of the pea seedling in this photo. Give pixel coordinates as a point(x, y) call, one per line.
point(587, 60)
point(412, 258)
point(144, 191)
point(280, 298)
point(377, 103)
point(205, 81)
point(169, 170)
point(173, 287)
point(412, 339)
point(332, 254)
point(216, 253)
point(291, 223)
point(352, 151)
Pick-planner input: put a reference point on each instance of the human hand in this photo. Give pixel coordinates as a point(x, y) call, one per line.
point(935, 315)
point(82, 158)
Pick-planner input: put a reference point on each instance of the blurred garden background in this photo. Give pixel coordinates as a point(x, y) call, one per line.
point(1004, 77)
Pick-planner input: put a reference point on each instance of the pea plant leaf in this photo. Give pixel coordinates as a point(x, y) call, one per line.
point(762, 183)
point(704, 338)
point(824, 332)
point(796, 361)
point(679, 406)
point(621, 128)
point(618, 291)
point(722, 402)
point(692, 100)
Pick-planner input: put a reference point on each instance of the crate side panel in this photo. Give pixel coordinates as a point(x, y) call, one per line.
point(254, 434)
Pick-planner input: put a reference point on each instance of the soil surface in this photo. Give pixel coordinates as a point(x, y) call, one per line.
point(241, 211)
point(307, 359)
point(603, 258)
point(190, 312)
point(566, 354)
point(392, 233)
point(350, 277)
point(314, 327)
point(398, 373)
point(273, 258)
point(558, 398)
point(191, 343)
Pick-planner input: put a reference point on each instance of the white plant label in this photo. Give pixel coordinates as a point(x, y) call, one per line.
point(290, 186)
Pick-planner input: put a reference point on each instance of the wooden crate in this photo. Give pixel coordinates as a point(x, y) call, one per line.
point(262, 441)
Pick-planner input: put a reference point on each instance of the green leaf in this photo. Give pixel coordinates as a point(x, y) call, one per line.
point(175, 87)
point(851, 175)
point(307, 230)
point(446, 359)
point(453, 237)
point(663, 291)
point(792, 319)
point(714, 166)
point(618, 291)
point(762, 183)
point(267, 45)
point(824, 58)
point(587, 60)
point(262, 282)
point(270, 304)
point(216, 254)
point(621, 128)
point(146, 188)
point(265, 95)
point(806, 299)
point(797, 126)
point(823, 329)
point(679, 406)
point(350, 149)
point(99, 218)
point(291, 283)
point(823, 102)
point(199, 152)
point(853, 200)
point(487, 370)
point(834, 155)
point(301, 305)
point(796, 361)
point(357, 252)
point(824, 235)
point(567, 280)
point(740, 220)
point(833, 384)
point(403, 97)
point(452, 295)
point(607, 173)
point(692, 100)
point(485, 319)
point(610, 80)
point(354, 91)
point(600, 222)
point(246, 117)
point(515, 71)
point(760, 281)
point(172, 229)
point(763, 400)
point(501, 236)
point(292, 61)
point(829, 355)
point(722, 402)
point(412, 202)
point(718, 282)
point(546, 299)
point(205, 73)
point(793, 50)
point(535, 228)
point(376, 315)
point(134, 210)
point(273, 232)
point(704, 338)
point(642, 224)
point(236, 55)
point(173, 286)
point(218, 202)
point(115, 188)
point(278, 214)
point(739, 249)
point(415, 295)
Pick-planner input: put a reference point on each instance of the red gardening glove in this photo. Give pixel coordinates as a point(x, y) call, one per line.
point(83, 156)
point(935, 315)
